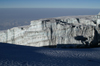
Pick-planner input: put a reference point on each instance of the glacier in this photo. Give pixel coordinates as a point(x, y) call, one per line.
point(67, 31)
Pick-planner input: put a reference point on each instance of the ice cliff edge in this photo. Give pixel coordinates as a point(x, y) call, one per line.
point(71, 31)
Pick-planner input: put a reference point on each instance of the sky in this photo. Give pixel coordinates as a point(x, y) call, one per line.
point(50, 4)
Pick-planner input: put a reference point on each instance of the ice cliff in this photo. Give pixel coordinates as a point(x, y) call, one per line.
point(70, 31)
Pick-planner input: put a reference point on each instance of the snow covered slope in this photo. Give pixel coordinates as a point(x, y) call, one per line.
point(17, 55)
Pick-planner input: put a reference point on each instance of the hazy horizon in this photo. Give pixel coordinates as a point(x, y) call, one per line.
point(12, 17)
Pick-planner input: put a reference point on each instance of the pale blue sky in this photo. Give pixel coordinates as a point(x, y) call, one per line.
point(50, 4)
